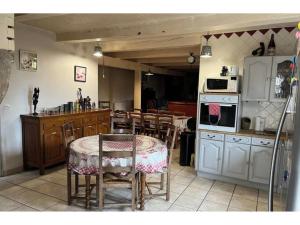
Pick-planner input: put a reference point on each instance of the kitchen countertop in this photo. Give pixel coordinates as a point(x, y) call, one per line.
point(252, 133)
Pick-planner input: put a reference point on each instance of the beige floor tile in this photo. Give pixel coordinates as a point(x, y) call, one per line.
point(180, 208)
point(157, 205)
point(33, 183)
point(217, 197)
point(56, 178)
point(195, 192)
point(173, 196)
point(246, 193)
point(63, 206)
point(12, 190)
point(182, 180)
point(242, 203)
point(188, 202)
point(188, 172)
point(24, 208)
point(5, 185)
point(212, 206)
point(43, 203)
point(22, 177)
point(223, 187)
point(202, 183)
point(54, 190)
point(8, 204)
point(26, 196)
point(277, 199)
point(178, 188)
point(263, 206)
point(233, 209)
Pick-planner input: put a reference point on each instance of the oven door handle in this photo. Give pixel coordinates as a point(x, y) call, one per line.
point(222, 104)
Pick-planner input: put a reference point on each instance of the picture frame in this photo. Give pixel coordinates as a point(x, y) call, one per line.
point(28, 60)
point(80, 73)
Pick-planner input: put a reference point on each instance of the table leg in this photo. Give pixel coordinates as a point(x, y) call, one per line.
point(142, 191)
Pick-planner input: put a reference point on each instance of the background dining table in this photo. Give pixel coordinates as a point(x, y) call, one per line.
point(151, 157)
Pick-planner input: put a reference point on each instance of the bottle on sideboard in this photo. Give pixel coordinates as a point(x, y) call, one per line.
point(271, 46)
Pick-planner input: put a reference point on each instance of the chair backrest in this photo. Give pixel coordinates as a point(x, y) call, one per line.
point(137, 110)
point(120, 113)
point(152, 111)
point(150, 120)
point(68, 134)
point(104, 104)
point(121, 125)
point(164, 112)
point(127, 141)
point(170, 139)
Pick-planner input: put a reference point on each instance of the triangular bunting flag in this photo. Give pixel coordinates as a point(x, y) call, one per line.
point(276, 30)
point(217, 35)
point(239, 33)
point(289, 29)
point(228, 34)
point(263, 31)
point(207, 36)
point(251, 32)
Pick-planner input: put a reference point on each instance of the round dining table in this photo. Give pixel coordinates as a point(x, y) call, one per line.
point(151, 157)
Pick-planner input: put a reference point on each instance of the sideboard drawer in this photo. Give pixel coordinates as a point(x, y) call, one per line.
point(212, 136)
point(267, 142)
point(90, 120)
point(52, 124)
point(238, 139)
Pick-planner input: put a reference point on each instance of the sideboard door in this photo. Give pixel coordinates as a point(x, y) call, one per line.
point(53, 147)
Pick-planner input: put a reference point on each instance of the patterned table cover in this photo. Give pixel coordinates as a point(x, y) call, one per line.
point(151, 156)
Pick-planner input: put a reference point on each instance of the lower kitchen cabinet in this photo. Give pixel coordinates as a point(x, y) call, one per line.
point(236, 160)
point(211, 155)
point(260, 164)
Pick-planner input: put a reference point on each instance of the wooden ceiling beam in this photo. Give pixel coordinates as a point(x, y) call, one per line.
point(175, 64)
point(164, 53)
point(163, 60)
point(36, 16)
point(194, 24)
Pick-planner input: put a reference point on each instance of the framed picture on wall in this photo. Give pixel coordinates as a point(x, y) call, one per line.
point(28, 60)
point(80, 73)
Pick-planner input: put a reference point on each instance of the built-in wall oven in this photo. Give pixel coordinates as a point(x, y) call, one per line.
point(219, 112)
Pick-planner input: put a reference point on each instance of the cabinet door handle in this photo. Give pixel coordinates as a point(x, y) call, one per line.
point(263, 143)
point(211, 136)
point(10, 38)
point(90, 126)
point(53, 133)
point(237, 140)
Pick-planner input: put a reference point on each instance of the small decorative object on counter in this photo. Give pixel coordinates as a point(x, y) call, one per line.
point(88, 102)
point(93, 105)
point(224, 71)
point(35, 100)
point(271, 46)
point(245, 124)
point(259, 51)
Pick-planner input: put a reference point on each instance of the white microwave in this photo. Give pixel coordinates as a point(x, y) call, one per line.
point(226, 84)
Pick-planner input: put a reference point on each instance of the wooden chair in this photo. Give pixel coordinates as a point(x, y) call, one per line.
point(137, 110)
point(104, 104)
point(164, 112)
point(137, 122)
point(121, 125)
point(169, 141)
point(117, 176)
point(68, 138)
point(150, 124)
point(152, 111)
point(163, 124)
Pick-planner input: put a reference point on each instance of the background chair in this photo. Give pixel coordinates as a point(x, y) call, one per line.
point(137, 122)
point(104, 104)
point(150, 124)
point(169, 141)
point(68, 138)
point(118, 176)
point(163, 124)
point(152, 111)
point(121, 125)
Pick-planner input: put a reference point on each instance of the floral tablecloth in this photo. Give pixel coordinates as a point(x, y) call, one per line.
point(151, 154)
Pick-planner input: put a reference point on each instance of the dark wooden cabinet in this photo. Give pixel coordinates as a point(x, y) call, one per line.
point(43, 138)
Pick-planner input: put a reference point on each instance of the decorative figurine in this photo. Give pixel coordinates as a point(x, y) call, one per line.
point(88, 102)
point(259, 51)
point(80, 99)
point(35, 100)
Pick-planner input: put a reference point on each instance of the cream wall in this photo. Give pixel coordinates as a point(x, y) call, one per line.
point(54, 77)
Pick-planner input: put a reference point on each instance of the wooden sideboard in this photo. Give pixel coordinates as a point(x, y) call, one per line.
point(43, 138)
point(189, 108)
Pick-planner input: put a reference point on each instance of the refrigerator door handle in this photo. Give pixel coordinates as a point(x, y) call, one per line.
point(274, 156)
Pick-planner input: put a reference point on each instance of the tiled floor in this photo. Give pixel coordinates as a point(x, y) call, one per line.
point(30, 192)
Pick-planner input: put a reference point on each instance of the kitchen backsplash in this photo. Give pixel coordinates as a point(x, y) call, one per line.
point(271, 111)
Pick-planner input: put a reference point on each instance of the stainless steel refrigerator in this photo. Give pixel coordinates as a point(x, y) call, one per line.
point(284, 185)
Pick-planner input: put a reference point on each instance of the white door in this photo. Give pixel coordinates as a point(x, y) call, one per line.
point(260, 164)
point(280, 84)
point(256, 78)
point(211, 155)
point(236, 160)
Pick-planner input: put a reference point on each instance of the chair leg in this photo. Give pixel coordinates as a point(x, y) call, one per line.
point(101, 196)
point(76, 184)
point(69, 184)
point(162, 181)
point(133, 194)
point(87, 191)
point(97, 190)
point(168, 184)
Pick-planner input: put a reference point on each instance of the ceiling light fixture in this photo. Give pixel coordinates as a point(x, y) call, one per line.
point(149, 73)
point(98, 51)
point(206, 51)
